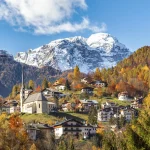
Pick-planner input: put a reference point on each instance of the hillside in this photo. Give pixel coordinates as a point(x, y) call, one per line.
point(131, 74)
point(141, 57)
point(10, 73)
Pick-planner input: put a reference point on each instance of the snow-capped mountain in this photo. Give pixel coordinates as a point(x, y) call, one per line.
point(99, 50)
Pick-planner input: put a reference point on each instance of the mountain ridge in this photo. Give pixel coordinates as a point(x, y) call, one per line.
point(10, 73)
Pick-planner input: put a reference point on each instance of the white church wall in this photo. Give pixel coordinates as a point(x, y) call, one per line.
point(41, 106)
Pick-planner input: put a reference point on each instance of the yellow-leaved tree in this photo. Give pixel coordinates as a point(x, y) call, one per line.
point(97, 74)
point(12, 133)
point(76, 73)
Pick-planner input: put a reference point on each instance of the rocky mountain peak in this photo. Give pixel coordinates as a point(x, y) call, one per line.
point(99, 50)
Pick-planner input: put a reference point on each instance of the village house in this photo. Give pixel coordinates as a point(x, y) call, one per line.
point(68, 106)
point(85, 80)
point(14, 107)
point(5, 109)
point(65, 106)
point(105, 114)
point(98, 83)
point(35, 129)
point(10, 106)
point(137, 103)
point(85, 105)
point(110, 110)
point(128, 113)
point(51, 107)
point(51, 93)
point(87, 90)
point(123, 96)
point(75, 128)
point(60, 87)
point(108, 104)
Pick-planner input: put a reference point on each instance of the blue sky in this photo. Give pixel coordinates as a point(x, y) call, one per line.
point(128, 20)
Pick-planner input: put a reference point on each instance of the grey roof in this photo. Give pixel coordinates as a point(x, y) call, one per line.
point(39, 126)
point(64, 121)
point(89, 101)
point(52, 90)
point(35, 97)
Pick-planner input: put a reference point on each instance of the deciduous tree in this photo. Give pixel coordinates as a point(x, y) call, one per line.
point(31, 84)
point(76, 73)
point(97, 74)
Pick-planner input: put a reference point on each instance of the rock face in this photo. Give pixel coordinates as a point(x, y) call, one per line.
point(99, 50)
point(10, 73)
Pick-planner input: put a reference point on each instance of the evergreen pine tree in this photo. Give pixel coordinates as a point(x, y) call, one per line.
point(92, 116)
point(67, 85)
point(44, 84)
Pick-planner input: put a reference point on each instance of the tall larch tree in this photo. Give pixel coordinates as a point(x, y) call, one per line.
point(14, 91)
point(97, 74)
point(31, 84)
point(76, 73)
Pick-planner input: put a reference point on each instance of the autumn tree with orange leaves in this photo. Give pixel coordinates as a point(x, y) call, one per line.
point(78, 86)
point(13, 135)
point(62, 81)
point(38, 89)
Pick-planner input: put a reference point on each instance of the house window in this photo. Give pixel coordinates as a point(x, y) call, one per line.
point(39, 105)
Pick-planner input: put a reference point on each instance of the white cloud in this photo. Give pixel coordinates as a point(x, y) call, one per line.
point(68, 27)
point(45, 16)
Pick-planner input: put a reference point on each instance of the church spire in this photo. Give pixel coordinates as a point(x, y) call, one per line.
point(22, 91)
point(22, 76)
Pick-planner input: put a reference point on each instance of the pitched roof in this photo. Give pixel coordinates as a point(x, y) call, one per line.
point(52, 90)
point(65, 121)
point(38, 126)
point(35, 97)
point(89, 101)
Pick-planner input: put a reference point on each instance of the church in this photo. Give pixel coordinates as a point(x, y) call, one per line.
point(34, 103)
